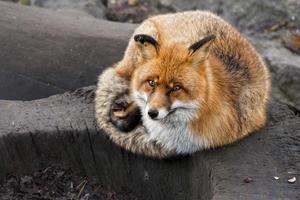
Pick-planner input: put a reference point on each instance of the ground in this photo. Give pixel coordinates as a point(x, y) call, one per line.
point(57, 183)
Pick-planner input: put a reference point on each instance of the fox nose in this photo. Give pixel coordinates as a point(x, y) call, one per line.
point(153, 113)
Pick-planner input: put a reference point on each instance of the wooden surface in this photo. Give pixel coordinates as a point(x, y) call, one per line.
point(61, 129)
point(45, 52)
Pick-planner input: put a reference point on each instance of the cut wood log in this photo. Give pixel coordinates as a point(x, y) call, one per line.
point(62, 129)
point(48, 52)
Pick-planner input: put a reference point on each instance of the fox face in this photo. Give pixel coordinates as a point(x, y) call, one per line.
point(170, 83)
point(160, 94)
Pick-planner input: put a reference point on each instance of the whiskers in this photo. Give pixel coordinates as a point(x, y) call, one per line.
point(182, 112)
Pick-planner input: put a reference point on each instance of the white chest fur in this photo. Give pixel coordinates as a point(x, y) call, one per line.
point(173, 132)
point(174, 136)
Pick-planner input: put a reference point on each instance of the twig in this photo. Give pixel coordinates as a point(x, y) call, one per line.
point(82, 188)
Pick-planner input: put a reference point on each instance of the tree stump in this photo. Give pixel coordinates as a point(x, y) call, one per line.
point(62, 129)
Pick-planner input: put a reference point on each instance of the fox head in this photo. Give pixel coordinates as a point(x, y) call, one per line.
point(170, 80)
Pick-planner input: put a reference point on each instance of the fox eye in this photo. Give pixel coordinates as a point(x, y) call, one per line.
point(176, 88)
point(151, 83)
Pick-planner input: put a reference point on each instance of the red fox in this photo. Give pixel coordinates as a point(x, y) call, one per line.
point(197, 81)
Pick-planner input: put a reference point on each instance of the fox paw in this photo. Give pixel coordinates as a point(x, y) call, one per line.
point(125, 115)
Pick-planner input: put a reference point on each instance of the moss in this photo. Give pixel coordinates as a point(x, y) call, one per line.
point(25, 2)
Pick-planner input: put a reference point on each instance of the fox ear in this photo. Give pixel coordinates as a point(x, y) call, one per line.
point(147, 45)
point(199, 51)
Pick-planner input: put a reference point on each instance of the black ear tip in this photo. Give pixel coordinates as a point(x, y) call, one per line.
point(209, 38)
point(138, 38)
point(212, 37)
point(194, 47)
point(142, 38)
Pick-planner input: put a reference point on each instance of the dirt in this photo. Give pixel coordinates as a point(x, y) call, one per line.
point(57, 183)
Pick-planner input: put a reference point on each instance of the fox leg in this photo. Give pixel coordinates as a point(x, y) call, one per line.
point(125, 115)
point(110, 87)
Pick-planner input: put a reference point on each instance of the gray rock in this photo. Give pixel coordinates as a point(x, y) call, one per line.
point(121, 10)
point(253, 15)
point(285, 68)
point(81, 7)
point(250, 15)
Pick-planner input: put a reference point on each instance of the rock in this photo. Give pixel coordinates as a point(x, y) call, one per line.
point(292, 180)
point(291, 40)
point(285, 68)
point(248, 180)
point(122, 10)
point(84, 7)
point(251, 15)
point(256, 16)
point(166, 2)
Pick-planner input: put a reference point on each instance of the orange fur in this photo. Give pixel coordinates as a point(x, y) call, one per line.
point(231, 84)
